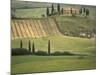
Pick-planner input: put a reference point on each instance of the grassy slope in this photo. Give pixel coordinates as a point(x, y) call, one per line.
point(60, 43)
point(29, 64)
point(75, 25)
point(30, 12)
point(35, 12)
point(30, 9)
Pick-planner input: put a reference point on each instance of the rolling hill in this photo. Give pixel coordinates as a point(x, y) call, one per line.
point(30, 28)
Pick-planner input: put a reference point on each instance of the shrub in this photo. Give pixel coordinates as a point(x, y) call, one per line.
point(40, 53)
point(57, 53)
point(19, 51)
point(67, 53)
point(62, 53)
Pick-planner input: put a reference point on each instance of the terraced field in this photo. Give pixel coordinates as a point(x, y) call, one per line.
point(33, 28)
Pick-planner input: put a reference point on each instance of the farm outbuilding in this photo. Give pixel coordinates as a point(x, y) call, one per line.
point(70, 11)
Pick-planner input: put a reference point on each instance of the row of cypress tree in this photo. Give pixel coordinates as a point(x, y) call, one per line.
point(31, 48)
point(59, 10)
point(84, 11)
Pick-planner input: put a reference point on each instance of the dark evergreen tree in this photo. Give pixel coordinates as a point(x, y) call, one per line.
point(21, 44)
point(33, 48)
point(80, 11)
point(71, 11)
point(29, 46)
point(58, 8)
point(47, 12)
point(49, 47)
point(87, 12)
point(84, 10)
point(52, 10)
point(13, 10)
point(62, 11)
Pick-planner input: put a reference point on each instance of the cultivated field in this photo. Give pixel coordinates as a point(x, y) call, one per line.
point(33, 28)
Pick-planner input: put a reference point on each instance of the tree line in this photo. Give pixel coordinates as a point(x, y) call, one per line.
point(54, 11)
point(60, 11)
point(32, 51)
point(50, 11)
point(84, 11)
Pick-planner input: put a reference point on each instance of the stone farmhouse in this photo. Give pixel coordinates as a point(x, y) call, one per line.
point(70, 11)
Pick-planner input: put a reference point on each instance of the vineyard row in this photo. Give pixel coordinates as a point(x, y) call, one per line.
point(33, 28)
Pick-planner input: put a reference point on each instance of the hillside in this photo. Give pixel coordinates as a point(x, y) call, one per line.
point(33, 28)
point(53, 41)
point(28, 9)
point(77, 26)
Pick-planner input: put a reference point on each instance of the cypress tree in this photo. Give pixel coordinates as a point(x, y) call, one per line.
point(87, 12)
point(80, 11)
point(21, 44)
point(29, 46)
point(84, 10)
point(71, 10)
point(52, 10)
point(49, 47)
point(62, 11)
point(58, 8)
point(33, 48)
point(47, 12)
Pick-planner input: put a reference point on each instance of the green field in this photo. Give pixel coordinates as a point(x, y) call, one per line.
point(31, 13)
point(60, 43)
point(33, 64)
